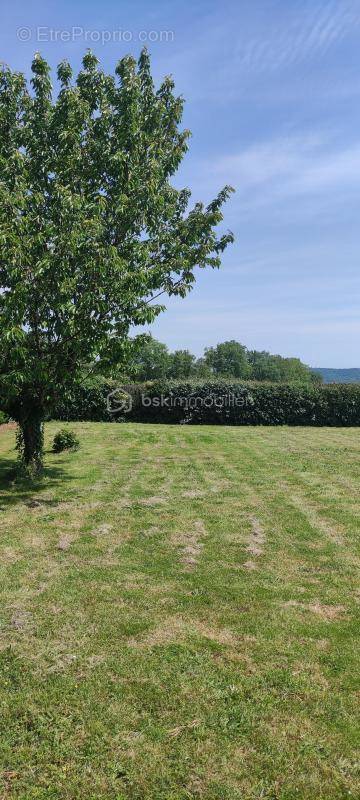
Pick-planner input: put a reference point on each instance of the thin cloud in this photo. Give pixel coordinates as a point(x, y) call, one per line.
point(291, 166)
point(305, 33)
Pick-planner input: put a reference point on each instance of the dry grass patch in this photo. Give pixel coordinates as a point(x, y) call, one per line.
point(152, 501)
point(21, 619)
point(250, 565)
point(193, 493)
point(175, 629)
point(10, 556)
point(326, 612)
point(171, 629)
point(256, 542)
point(102, 530)
point(189, 726)
point(65, 542)
point(315, 520)
point(190, 543)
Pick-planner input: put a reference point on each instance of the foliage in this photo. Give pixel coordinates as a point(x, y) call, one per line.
point(221, 402)
point(65, 439)
point(267, 367)
point(202, 369)
point(86, 401)
point(228, 360)
point(151, 361)
point(3, 418)
point(249, 404)
point(182, 364)
point(91, 230)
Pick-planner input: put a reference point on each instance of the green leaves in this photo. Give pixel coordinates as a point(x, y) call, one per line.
point(14, 334)
point(211, 402)
point(91, 230)
point(64, 73)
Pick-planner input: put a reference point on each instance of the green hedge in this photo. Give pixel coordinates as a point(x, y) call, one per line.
point(217, 403)
point(87, 402)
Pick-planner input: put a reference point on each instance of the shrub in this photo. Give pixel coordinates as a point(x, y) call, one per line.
point(220, 403)
point(3, 418)
point(235, 403)
point(65, 439)
point(86, 402)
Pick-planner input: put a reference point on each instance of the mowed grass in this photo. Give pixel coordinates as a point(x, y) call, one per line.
point(180, 616)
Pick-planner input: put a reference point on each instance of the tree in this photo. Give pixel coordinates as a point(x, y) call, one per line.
point(91, 230)
point(202, 369)
point(151, 362)
point(182, 364)
point(228, 359)
point(263, 367)
point(267, 367)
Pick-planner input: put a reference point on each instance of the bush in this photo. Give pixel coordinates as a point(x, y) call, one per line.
point(3, 418)
point(87, 402)
point(217, 403)
point(65, 439)
point(242, 403)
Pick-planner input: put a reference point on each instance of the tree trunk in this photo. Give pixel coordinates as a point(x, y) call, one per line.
point(30, 444)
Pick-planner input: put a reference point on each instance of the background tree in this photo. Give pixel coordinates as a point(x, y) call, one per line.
point(228, 359)
point(202, 369)
point(262, 366)
point(182, 364)
point(151, 362)
point(91, 230)
point(267, 367)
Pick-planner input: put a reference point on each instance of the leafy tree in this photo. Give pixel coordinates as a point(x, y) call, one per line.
point(228, 359)
point(202, 369)
point(293, 370)
point(182, 364)
point(91, 229)
point(262, 366)
point(151, 362)
point(267, 367)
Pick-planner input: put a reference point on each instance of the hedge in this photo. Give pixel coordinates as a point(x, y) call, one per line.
point(87, 402)
point(213, 403)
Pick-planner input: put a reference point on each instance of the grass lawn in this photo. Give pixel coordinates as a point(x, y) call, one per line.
point(180, 616)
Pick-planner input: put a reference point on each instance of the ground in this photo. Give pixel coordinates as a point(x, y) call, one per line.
point(180, 616)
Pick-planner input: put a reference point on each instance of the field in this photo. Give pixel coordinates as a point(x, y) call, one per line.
point(180, 616)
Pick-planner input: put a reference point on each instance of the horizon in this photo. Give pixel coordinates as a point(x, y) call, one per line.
point(271, 93)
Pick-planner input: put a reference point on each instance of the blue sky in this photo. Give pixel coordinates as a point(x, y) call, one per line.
point(272, 92)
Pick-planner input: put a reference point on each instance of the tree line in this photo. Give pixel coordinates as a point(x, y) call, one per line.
point(229, 359)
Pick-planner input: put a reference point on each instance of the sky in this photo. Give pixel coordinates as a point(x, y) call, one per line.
point(272, 90)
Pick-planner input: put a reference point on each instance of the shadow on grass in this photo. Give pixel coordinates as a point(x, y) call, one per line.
point(15, 489)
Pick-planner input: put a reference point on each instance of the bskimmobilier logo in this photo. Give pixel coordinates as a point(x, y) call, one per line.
point(119, 401)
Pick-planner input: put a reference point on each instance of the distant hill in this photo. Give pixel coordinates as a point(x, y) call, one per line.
point(333, 375)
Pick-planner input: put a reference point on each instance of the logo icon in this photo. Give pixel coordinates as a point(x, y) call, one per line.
point(119, 401)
